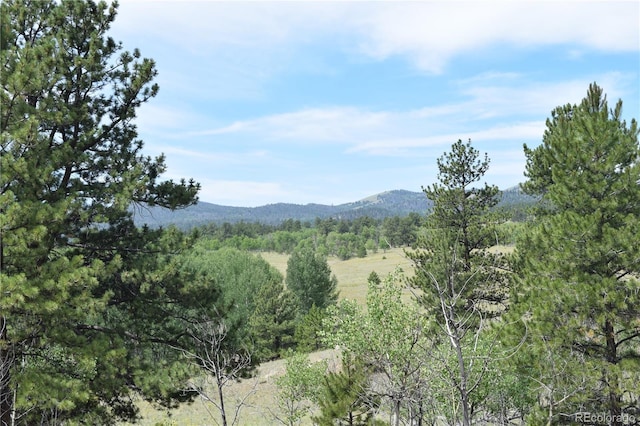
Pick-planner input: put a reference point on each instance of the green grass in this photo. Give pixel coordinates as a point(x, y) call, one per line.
point(352, 274)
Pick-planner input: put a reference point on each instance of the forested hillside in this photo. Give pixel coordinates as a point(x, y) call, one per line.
point(387, 204)
point(514, 307)
point(379, 206)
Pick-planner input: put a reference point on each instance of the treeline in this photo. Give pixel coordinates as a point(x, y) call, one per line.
point(331, 237)
point(343, 238)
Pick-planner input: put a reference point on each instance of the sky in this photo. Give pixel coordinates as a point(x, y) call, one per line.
point(331, 102)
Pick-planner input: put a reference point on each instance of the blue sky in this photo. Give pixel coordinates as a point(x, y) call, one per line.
point(331, 102)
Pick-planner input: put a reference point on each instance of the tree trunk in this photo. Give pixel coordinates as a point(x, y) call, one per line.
point(454, 339)
point(223, 413)
point(220, 383)
point(464, 394)
point(395, 413)
point(615, 410)
point(6, 394)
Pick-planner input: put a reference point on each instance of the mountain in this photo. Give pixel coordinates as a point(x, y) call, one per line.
point(379, 206)
point(390, 203)
point(514, 196)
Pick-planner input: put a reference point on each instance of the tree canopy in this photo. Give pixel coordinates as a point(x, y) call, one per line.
point(457, 278)
point(309, 278)
point(579, 264)
point(75, 272)
point(460, 206)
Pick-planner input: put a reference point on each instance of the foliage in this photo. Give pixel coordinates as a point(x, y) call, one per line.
point(273, 322)
point(343, 238)
point(343, 399)
point(459, 206)
point(578, 295)
point(82, 288)
point(458, 279)
point(389, 338)
point(298, 388)
point(399, 232)
point(240, 277)
point(308, 334)
point(309, 278)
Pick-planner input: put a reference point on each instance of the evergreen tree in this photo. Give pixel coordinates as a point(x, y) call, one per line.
point(309, 278)
point(374, 278)
point(273, 324)
point(80, 284)
point(457, 277)
point(308, 334)
point(458, 205)
point(580, 263)
point(343, 399)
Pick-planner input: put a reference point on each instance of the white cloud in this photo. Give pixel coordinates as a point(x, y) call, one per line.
point(333, 124)
point(505, 164)
point(495, 97)
point(236, 110)
point(238, 192)
point(429, 33)
point(399, 147)
point(212, 159)
point(155, 118)
point(410, 147)
point(490, 106)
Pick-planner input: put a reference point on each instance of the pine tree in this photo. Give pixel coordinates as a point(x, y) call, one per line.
point(309, 278)
point(458, 205)
point(457, 277)
point(79, 282)
point(580, 262)
point(308, 334)
point(273, 324)
point(343, 399)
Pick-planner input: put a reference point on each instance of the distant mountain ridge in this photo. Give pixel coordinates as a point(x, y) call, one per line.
point(378, 206)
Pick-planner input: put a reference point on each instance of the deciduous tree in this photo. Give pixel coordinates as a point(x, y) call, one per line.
point(298, 388)
point(222, 363)
point(239, 275)
point(390, 338)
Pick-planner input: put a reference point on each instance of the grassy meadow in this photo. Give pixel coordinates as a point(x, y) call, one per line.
point(352, 274)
